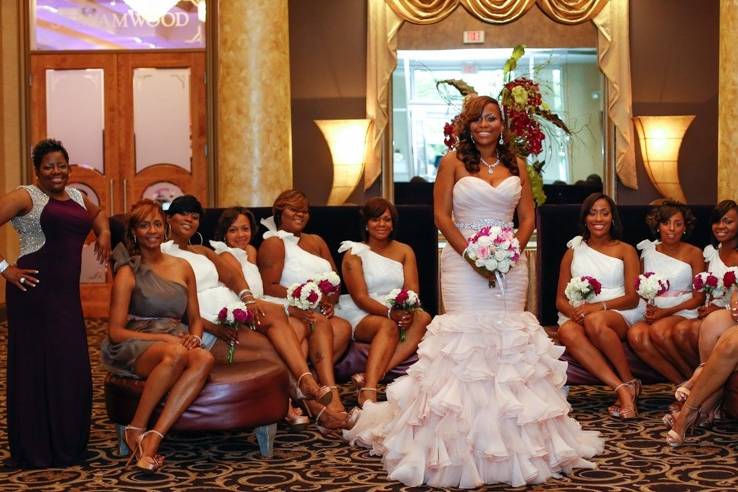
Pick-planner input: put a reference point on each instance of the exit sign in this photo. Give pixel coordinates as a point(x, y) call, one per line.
point(473, 37)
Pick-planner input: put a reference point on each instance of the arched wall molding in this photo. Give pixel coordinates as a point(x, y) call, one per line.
point(385, 17)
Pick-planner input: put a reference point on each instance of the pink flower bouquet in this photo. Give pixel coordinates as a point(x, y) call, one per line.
point(232, 316)
point(493, 251)
point(403, 299)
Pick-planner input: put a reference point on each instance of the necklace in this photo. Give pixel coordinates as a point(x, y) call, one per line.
point(490, 167)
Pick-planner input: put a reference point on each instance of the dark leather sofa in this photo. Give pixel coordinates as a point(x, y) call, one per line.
point(556, 225)
point(254, 395)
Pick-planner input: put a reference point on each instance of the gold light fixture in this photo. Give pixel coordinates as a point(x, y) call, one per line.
point(151, 10)
point(347, 142)
point(661, 137)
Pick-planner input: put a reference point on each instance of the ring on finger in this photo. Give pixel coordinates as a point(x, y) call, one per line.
point(22, 280)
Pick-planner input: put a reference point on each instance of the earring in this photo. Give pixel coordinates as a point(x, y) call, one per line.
point(135, 241)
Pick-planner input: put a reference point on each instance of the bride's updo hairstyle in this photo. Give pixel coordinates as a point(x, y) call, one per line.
point(665, 210)
point(466, 151)
point(373, 208)
point(139, 212)
point(288, 199)
point(616, 226)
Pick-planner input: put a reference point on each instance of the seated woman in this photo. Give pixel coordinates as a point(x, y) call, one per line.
point(719, 366)
point(371, 270)
point(272, 337)
point(696, 338)
point(592, 332)
point(233, 234)
point(288, 256)
point(678, 262)
point(146, 339)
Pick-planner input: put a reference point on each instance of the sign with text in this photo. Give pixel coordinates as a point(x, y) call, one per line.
point(473, 37)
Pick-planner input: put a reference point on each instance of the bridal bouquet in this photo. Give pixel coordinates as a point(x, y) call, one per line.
point(493, 250)
point(232, 316)
point(404, 299)
point(328, 282)
point(651, 285)
point(582, 289)
point(708, 284)
point(305, 296)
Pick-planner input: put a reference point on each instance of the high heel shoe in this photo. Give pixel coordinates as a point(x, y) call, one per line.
point(358, 393)
point(675, 439)
point(149, 463)
point(635, 386)
point(359, 380)
point(132, 449)
point(683, 391)
point(323, 426)
point(296, 421)
point(323, 396)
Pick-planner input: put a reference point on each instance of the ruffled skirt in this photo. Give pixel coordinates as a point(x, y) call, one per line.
point(483, 404)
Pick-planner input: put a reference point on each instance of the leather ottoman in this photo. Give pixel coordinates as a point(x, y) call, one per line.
point(238, 396)
point(355, 361)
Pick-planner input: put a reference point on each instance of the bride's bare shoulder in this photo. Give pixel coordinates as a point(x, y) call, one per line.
point(451, 167)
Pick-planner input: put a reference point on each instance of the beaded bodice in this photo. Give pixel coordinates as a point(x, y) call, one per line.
point(28, 226)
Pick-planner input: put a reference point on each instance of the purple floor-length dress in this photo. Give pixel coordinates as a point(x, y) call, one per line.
point(49, 381)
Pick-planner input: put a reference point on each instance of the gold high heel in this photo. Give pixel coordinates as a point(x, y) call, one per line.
point(673, 438)
point(324, 429)
point(324, 395)
point(149, 463)
point(132, 450)
point(296, 422)
point(682, 392)
point(626, 413)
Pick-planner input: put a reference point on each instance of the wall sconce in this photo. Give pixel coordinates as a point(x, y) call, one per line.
point(661, 138)
point(347, 142)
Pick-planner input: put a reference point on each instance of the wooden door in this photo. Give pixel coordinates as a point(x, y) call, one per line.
point(134, 126)
point(163, 135)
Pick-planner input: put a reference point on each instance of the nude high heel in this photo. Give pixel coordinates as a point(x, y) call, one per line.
point(324, 395)
point(673, 438)
point(150, 464)
point(682, 392)
point(132, 449)
point(635, 385)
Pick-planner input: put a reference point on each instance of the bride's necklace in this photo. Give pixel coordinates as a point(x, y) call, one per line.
point(490, 167)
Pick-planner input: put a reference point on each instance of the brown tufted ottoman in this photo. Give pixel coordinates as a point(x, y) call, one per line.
point(238, 396)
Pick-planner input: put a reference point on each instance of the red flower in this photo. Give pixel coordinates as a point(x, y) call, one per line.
point(697, 283)
point(223, 314)
point(729, 279)
point(297, 291)
point(402, 297)
point(313, 297)
point(711, 281)
point(596, 285)
point(326, 287)
point(242, 316)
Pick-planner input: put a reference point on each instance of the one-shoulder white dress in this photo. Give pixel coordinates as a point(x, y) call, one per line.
point(484, 403)
point(677, 272)
point(381, 274)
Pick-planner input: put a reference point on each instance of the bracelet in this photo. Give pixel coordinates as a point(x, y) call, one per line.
point(199, 340)
point(389, 312)
point(604, 306)
point(244, 292)
point(4, 265)
point(252, 301)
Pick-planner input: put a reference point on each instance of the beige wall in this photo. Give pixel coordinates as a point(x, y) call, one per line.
point(10, 120)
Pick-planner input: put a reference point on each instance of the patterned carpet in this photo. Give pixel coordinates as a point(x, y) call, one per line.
point(635, 457)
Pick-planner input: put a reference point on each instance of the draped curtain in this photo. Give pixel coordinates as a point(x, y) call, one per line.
point(611, 19)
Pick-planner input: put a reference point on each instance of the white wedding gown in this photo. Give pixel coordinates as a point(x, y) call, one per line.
point(484, 403)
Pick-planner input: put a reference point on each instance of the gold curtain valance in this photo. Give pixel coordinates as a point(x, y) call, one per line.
point(496, 11)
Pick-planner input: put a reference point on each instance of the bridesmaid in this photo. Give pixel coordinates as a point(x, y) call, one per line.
point(233, 234)
point(678, 262)
point(592, 333)
point(715, 319)
point(371, 270)
point(289, 255)
point(49, 400)
point(146, 339)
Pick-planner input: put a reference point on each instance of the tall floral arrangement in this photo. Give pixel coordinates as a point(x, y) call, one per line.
point(526, 115)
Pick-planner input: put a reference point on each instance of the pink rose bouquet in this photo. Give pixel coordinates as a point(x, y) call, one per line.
point(651, 285)
point(579, 290)
point(234, 315)
point(493, 250)
point(403, 299)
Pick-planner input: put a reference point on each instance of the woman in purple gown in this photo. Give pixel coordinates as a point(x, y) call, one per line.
point(49, 399)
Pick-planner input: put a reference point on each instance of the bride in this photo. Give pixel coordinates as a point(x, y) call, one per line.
point(484, 403)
